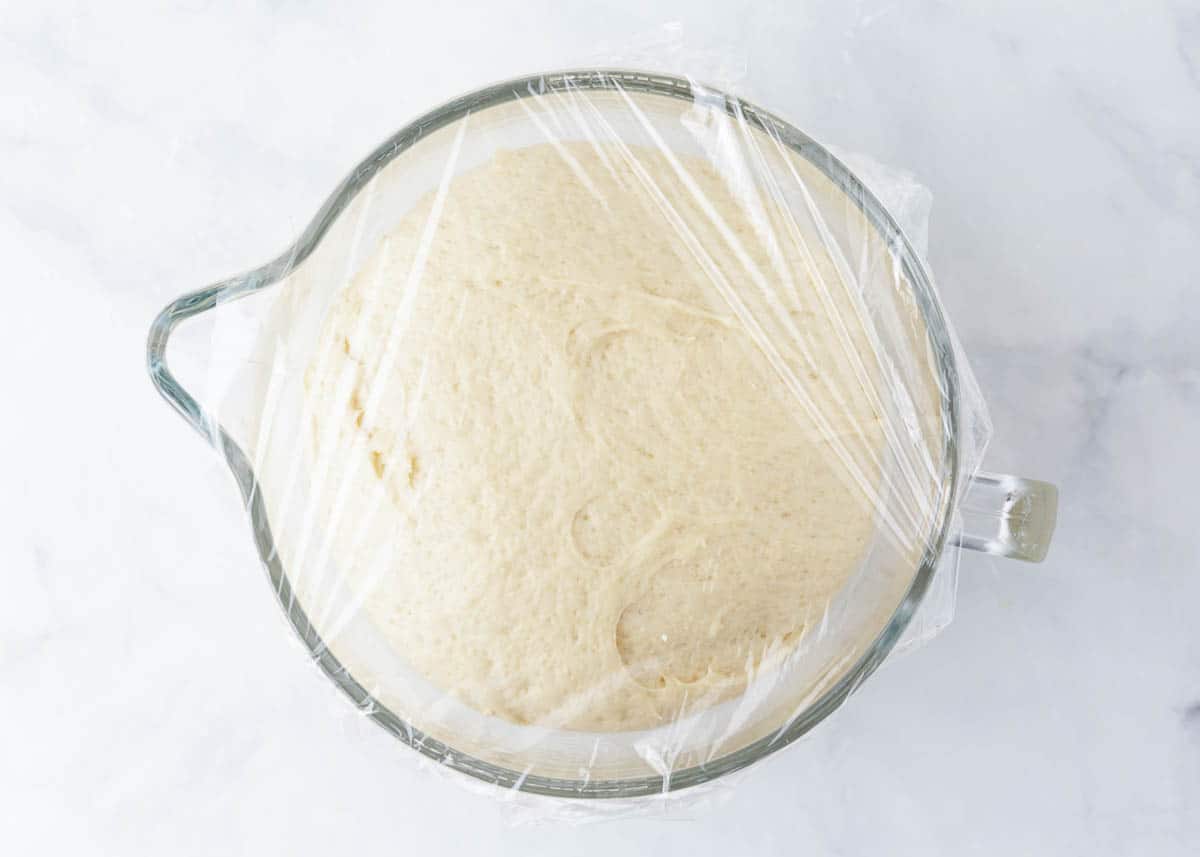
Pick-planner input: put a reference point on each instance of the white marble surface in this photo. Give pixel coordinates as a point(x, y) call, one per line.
point(153, 701)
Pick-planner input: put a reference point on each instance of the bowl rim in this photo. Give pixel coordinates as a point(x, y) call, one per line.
point(592, 80)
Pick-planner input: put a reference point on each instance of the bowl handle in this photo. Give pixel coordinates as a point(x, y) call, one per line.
point(1008, 516)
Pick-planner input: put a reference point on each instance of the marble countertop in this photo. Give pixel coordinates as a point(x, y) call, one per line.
point(155, 703)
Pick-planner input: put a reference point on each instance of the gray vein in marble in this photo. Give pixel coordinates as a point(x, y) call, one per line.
point(1188, 42)
point(1169, 173)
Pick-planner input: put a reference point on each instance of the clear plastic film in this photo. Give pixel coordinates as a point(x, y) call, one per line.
point(600, 434)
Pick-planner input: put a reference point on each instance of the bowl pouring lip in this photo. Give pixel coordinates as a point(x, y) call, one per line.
point(589, 80)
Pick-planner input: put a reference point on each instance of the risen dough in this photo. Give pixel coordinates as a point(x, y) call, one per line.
point(605, 501)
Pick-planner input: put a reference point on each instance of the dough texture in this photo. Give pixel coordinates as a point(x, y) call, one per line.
point(610, 493)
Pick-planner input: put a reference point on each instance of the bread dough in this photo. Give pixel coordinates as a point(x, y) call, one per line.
point(625, 455)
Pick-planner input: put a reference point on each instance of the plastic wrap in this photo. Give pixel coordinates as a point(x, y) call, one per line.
point(600, 434)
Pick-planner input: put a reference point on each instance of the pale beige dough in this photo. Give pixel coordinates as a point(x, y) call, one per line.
point(606, 503)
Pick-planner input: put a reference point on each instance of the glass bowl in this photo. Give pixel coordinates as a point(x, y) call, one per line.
point(1003, 515)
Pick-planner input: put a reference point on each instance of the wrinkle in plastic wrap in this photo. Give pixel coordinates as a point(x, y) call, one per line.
point(602, 434)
